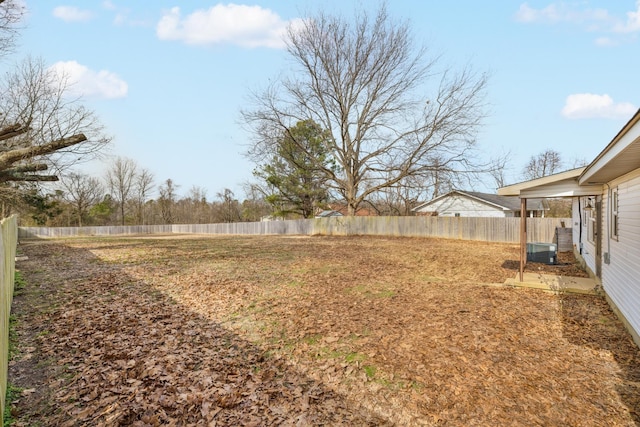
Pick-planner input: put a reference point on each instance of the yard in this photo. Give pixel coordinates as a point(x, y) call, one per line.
point(308, 331)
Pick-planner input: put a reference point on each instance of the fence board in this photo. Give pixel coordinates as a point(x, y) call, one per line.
point(505, 230)
point(8, 242)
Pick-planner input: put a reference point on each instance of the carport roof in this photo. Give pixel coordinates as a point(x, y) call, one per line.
point(563, 184)
point(620, 156)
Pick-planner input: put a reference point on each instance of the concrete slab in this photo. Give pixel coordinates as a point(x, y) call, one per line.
point(549, 282)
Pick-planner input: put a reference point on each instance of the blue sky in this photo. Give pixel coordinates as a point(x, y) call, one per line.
point(168, 78)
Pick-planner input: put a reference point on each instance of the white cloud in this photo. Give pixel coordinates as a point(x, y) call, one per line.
point(72, 14)
point(83, 81)
point(591, 20)
point(107, 4)
point(561, 12)
point(606, 42)
point(592, 106)
point(247, 26)
point(632, 24)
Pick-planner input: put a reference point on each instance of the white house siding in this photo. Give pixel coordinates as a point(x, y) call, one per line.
point(464, 207)
point(620, 277)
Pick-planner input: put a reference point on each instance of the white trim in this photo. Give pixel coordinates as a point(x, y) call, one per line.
point(516, 189)
point(627, 136)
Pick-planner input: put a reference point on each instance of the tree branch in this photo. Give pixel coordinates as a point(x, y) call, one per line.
point(7, 159)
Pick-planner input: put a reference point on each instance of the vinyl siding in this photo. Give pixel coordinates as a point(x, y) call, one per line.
point(464, 207)
point(621, 277)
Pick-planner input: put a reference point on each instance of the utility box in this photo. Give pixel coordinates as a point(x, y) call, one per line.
point(546, 253)
point(564, 239)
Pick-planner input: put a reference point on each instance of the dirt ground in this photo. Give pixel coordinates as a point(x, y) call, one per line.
point(261, 331)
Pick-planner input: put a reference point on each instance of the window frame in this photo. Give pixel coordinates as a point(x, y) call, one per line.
point(614, 227)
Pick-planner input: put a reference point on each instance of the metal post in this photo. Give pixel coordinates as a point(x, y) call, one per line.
point(523, 236)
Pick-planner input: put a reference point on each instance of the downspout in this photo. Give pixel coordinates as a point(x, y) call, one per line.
point(607, 258)
point(580, 228)
point(523, 237)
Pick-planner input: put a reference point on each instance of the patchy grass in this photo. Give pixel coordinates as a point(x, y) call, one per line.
point(270, 330)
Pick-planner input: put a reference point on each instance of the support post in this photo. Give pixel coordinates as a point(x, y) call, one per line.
point(523, 236)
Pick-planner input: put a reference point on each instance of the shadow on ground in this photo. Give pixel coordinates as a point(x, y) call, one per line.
point(99, 348)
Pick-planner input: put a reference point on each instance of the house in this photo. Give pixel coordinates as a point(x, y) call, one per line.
point(343, 210)
point(328, 213)
point(606, 218)
point(473, 204)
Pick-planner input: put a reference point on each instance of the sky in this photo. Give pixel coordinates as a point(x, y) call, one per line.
point(168, 79)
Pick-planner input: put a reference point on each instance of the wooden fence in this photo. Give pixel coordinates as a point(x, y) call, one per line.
point(9, 230)
point(485, 229)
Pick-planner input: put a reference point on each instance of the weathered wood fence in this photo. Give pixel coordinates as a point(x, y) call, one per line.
point(485, 229)
point(9, 230)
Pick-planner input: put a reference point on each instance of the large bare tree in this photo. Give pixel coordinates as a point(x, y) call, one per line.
point(390, 108)
point(40, 127)
point(11, 13)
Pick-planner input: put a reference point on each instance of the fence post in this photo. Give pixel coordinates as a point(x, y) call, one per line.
point(8, 242)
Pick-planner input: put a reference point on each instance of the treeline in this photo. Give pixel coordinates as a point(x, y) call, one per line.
point(127, 195)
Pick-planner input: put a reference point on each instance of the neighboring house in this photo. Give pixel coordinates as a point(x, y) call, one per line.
point(473, 204)
point(343, 209)
point(606, 217)
point(328, 213)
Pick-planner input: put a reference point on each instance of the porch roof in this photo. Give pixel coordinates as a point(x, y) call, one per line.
point(563, 184)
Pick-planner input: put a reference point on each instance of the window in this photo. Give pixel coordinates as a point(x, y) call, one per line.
point(457, 215)
point(614, 214)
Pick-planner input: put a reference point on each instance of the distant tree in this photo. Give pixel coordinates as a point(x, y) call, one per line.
point(559, 208)
point(296, 172)
point(546, 163)
point(199, 209)
point(40, 209)
point(143, 186)
point(389, 112)
point(499, 167)
point(121, 183)
point(81, 192)
point(227, 208)
point(167, 201)
point(102, 212)
point(255, 206)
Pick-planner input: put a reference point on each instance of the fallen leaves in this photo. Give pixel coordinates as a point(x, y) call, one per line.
point(313, 331)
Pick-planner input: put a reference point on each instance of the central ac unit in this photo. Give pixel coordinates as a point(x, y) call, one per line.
point(546, 253)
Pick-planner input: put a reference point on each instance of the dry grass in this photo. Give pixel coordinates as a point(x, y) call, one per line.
point(321, 330)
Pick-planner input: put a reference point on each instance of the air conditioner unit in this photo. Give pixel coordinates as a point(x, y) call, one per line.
point(546, 253)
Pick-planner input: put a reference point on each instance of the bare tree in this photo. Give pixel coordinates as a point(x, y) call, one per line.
point(143, 186)
point(40, 128)
point(11, 13)
point(199, 208)
point(228, 207)
point(82, 192)
point(121, 183)
point(389, 110)
point(544, 164)
point(499, 167)
point(167, 201)
point(255, 205)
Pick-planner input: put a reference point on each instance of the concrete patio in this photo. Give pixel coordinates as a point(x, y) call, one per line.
point(553, 283)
